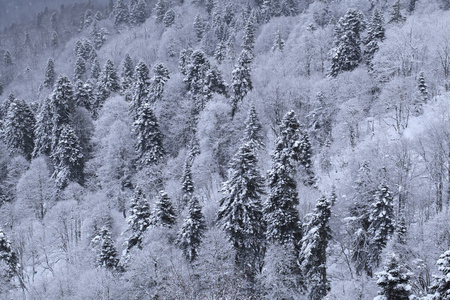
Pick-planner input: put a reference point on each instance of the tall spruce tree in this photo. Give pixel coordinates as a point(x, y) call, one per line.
point(278, 44)
point(240, 211)
point(306, 159)
point(84, 94)
point(121, 13)
point(158, 81)
point(49, 74)
point(108, 83)
point(195, 78)
point(253, 130)
point(127, 72)
point(346, 54)
point(187, 184)
point(313, 255)
point(140, 89)
point(8, 255)
point(241, 80)
point(375, 35)
point(95, 69)
point(280, 209)
point(80, 69)
point(139, 219)
point(160, 10)
point(248, 41)
point(169, 18)
point(138, 10)
point(149, 146)
point(441, 287)
point(199, 27)
point(394, 280)
point(43, 129)
point(164, 212)
point(108, 253)
point(381, 219)
point(191, 233)
point(67, 158)
point(396, 13)
point(18, 129)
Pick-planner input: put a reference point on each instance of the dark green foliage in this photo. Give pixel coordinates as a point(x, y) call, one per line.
point(164, 212)
point(240, 211)
point(149, 139)
point(346, 54)
point(18, 131)
point(280, 209)
point(139, 219)
point(313, 255)
point(191, 233)
point(394, 280)
point(49, 74)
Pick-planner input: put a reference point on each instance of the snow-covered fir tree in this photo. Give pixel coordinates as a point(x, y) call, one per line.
point(8, 256)
point(138, 12)
point(184, 60)
point(107, 257)
point(191, 233)
point(396, 13)
point(164, 213)
point(313, 255)
point(49, 74)
point(241, 82)
point(187, 183)
point(280, 209)
point(127, 72)
point(160, 10)
point(423, 88)
point(121, 13)
point(67, 158)
point(199, 27)
point(139, 219)
point(346, 54)
point(441, 287)
point(195, 78)
point(278, 44)
point(253, 130)
point(306, 159)
point(140, 89)
point(95, 69)
point(108, 83)
point(240, 211)
point(169, 18)
point(248, 41)
point(84, 94)
point(54, 41)
point(18, 129)
point(80, 69)
point(62, 107)
point(394, 280)
point(43, 129)
point(381, 219)
point(375, 35)
point(149, 139)
point(158, 81)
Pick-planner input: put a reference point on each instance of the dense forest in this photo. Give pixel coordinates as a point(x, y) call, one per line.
point(209, 149)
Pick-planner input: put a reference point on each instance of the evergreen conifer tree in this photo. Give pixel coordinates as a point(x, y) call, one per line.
point(185, 59)
point(396, 14)
point(149, 146)
point(62, 105)
point(80, 69)
point(313, 255)
point(192, 230)
point(108, 83)
point(187, 184)
point(164, 211)
point(121, 13)
point(1, 88)
point(54, 40)
point(127, 72)
point(18, 128)
point(139, 218)
point(95, 69)
point(305, 159)
point(278, 44)
point(199, 27)
point(290, 8)
point(43, 130)
point(138, 10)
point(49, 74)
point(88, 18)
point(195, 78)
point(441, 286)
point(346, 54)
point(240, 211)
point(280, 209)
point(157, 83)
point(381, 222)
point(394, 280)
point(248, 41)
point(253, 130)
point(67, 158)
point(84, 94)
point(214, 83)
point(108, 252)
point(8, 255)
point(7, 59)
point(241, 80)
point(375, 35)
point(169, 18)
point(140, 89)
point(160, 10)
point(423, 88)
